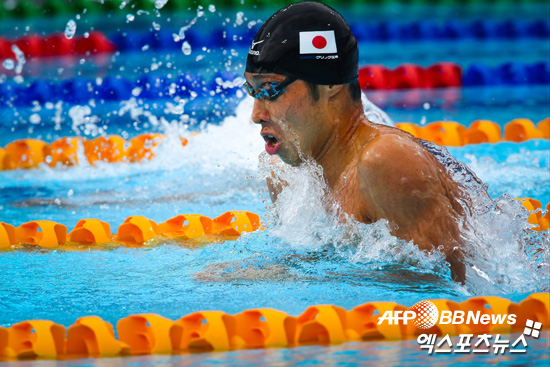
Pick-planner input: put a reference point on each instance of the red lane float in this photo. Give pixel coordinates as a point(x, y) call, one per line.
point(57, 44)
point(407, 76)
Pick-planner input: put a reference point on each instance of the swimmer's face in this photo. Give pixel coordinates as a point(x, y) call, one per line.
point(292, 123)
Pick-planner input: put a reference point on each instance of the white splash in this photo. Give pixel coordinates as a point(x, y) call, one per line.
point(159, 4)
point(186, 48)
point(20, 57)
point(8, 64)
point(70, 29)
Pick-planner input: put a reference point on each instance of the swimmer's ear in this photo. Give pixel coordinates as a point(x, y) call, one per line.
point(330, 90)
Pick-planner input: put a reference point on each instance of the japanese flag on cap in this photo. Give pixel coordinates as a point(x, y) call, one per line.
point(317, 42)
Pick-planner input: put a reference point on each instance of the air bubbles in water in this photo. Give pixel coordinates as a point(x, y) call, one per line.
point(159, 4)
point(186, 48)
point(8, 64)
point(70, 29)
point(130, 18)
point(156, 26)
point(212, 8)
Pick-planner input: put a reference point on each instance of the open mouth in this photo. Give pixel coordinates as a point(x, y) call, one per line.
point(271, 143)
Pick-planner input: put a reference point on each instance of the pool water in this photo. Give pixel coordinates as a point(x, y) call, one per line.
point(304, 257)
point(402, 353)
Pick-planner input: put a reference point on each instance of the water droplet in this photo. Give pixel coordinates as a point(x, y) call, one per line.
point(160, 3)
point(426, 106)
point(212, 8)
point(70, 29)
point(130, 18)
point(8, 64)
point(186, 48)
point(239, 20)
point(35, 118)
point(70, 193)
point(156, 26)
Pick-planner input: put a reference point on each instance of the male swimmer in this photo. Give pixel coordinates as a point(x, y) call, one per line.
point(302, 70)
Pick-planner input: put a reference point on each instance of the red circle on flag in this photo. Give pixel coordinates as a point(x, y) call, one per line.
point(319, 42)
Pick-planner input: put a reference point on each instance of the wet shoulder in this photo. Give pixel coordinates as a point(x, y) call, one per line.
point(387, 143)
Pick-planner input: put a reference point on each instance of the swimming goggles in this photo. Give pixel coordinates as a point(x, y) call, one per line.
point(268, 91)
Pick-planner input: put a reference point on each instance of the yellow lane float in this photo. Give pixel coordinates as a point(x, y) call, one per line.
point(30, 153)
point(205, 331)
point(138, 230)
point(135, 231)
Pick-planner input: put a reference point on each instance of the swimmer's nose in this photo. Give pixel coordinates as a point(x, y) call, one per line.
point(259, 112)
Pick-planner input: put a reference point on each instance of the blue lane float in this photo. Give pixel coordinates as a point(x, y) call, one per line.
point(82, 90)
point(511, 73)
point(151, 86)
point(425, 30)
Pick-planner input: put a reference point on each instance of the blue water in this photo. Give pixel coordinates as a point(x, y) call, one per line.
point(403, 353)
point(217, 171)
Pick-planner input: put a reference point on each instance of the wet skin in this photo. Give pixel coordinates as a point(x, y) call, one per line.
point(372, 171)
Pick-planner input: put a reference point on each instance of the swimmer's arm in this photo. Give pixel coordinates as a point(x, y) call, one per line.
point(400, 182)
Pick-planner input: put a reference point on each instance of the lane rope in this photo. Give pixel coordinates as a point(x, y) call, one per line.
point(190, 229)
point(74, 151)
point(206, 331)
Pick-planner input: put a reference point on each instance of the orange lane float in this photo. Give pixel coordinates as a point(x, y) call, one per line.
point(519, 130)
point(445, 133)
point(43, 233)
point(135, 231)
point(204, 331)
point(90, 336)
point(24, 154)
point(138, 230)
point(536, 218)
point(64, 152)
point(105, 149)
point(483, 131)
point(90, 231)
point(141, 147)
point(452, 133)
point(544, 128)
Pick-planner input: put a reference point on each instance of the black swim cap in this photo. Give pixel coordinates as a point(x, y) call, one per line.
point(308, 41)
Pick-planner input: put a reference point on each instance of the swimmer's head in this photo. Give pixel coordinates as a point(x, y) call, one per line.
point(308, 41)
